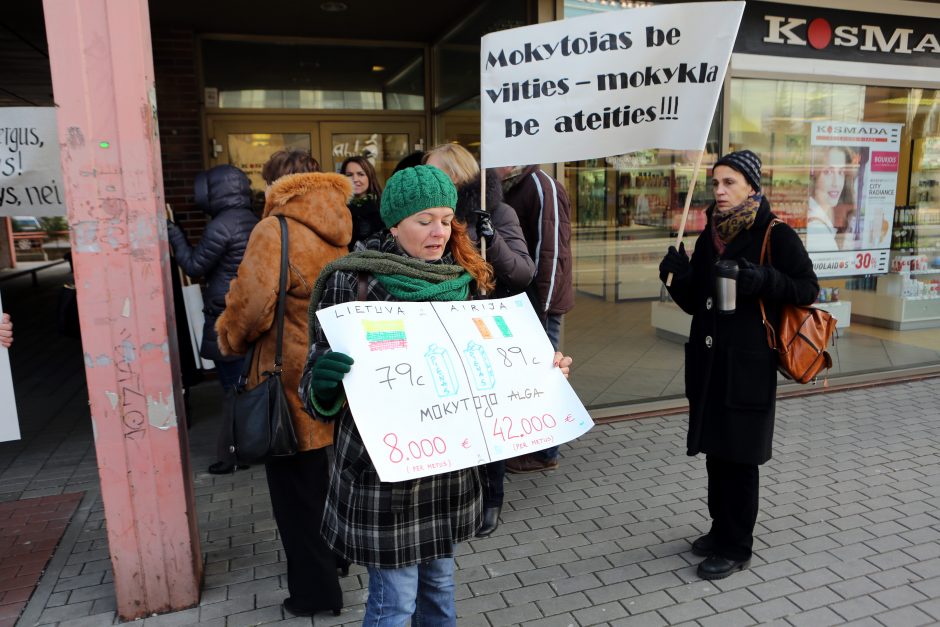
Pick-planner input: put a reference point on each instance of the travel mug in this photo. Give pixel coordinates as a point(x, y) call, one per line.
point(726, 271)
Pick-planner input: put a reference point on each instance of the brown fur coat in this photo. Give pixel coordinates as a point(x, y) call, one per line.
point(319, 228)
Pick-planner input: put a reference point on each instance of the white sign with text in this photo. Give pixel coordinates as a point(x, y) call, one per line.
point(9, 421)
point(605, 84)
point(30, 170)
point(437, 387)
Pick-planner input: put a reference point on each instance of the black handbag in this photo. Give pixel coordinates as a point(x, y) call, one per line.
point(260, 418)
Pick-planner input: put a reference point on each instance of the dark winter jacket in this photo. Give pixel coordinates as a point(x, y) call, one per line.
point(730, 371)
point(544, 213)
point(513, 268)
point(366, 220)
point(224, 193)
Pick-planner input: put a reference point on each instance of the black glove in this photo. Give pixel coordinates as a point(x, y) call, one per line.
point(675, 262)
point(485, 226)
point(751, 277)
point(327, 373)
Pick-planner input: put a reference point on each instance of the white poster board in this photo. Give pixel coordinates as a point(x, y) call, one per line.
point(195, 321)
point(30, 170)
point(437, 387)
point(9, 421)
point(853, 189)
point(605, 84)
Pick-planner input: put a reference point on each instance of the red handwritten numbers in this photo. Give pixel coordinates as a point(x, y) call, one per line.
point(417, 449)
point(506, 429)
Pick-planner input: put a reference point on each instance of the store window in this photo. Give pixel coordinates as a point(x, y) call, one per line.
point(457, 70)
point(856, 170)
point(273, 75)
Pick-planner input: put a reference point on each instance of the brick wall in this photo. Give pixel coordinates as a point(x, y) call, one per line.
point(174, 60)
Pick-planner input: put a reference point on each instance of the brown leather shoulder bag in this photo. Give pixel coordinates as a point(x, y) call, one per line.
point(803, 333)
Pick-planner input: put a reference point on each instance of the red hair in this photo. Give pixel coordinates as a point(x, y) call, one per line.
point(466, 255)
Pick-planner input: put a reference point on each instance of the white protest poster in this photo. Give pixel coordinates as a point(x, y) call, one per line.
point(851, 200)
point(605, 84)
point(30, 171)
point(9, 421)
point(437, 387)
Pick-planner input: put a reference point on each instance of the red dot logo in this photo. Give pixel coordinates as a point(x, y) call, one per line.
point(819, 33)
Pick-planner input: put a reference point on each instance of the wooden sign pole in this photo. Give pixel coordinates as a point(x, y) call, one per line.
point(688, 202)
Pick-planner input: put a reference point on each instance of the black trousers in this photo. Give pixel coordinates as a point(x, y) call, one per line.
point(732, 504)
point(298, 487)
point(495, 475)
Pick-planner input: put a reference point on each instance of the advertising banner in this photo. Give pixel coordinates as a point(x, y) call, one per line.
point(851, 197)
point(30, 171)
point(442, 386)
point(605, 84)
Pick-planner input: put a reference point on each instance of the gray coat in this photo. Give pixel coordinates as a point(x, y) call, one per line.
point(513, 268)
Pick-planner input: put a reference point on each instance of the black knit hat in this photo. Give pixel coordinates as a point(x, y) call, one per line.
point(745, 162)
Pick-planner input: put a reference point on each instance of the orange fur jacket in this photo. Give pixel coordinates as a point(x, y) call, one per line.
point(319, 229)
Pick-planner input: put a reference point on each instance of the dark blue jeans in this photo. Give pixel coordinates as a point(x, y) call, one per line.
point(553, 331)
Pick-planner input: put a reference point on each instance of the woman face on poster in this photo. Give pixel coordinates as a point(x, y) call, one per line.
point(829, 178)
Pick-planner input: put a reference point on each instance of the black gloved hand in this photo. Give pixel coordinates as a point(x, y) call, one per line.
point(751, 277)
point(485, 226)
point(675, 262)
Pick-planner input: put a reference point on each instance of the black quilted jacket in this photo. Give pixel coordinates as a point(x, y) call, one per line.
point(224, 193)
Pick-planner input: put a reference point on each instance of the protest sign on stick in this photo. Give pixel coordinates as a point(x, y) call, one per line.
point(605, 84)
point(440, 386)
point(30, 170)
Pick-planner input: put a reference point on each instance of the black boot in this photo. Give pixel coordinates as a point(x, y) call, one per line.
point(490, 521)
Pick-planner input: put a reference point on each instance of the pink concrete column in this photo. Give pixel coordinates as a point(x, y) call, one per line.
point(103, 82)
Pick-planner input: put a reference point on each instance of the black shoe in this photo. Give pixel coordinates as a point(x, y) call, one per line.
point(292, 608)
point(490, 521)
point(704, 546)
point(718, 567)
point(224, 468)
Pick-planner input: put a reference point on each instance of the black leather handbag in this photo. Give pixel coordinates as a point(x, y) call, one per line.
point(259, 418)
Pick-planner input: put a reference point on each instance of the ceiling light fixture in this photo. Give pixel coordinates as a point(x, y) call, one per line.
point(333, 7)
point(378, 68)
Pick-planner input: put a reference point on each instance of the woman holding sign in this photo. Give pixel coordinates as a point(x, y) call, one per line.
point(730, 370)
point(404, 532)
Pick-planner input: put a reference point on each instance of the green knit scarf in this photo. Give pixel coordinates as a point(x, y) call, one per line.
point(405, 278)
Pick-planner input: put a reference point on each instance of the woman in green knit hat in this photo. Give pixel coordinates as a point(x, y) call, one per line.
point(404, 533)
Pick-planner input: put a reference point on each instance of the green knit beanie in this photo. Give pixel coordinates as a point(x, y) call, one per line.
point(415, 189)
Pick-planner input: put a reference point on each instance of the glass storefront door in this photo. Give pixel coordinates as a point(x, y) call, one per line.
point(383, 143)
point(246, 141)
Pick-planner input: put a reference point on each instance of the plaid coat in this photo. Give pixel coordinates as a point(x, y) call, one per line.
point(386, 524)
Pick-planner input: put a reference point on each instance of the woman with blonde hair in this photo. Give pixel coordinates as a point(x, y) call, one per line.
point(506, 251)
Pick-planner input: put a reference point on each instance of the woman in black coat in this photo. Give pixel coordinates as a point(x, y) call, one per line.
point(364, 204)
point(224, 193)
point(506, 251)
point(730, 371)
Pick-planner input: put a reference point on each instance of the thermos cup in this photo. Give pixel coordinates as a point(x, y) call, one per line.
point(726, 271)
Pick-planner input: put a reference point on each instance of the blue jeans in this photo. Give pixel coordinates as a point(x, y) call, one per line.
point(423, 593)
point(553, 331)
point(553, 328)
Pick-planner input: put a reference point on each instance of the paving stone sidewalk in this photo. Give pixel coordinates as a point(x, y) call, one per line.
point(848, 531)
